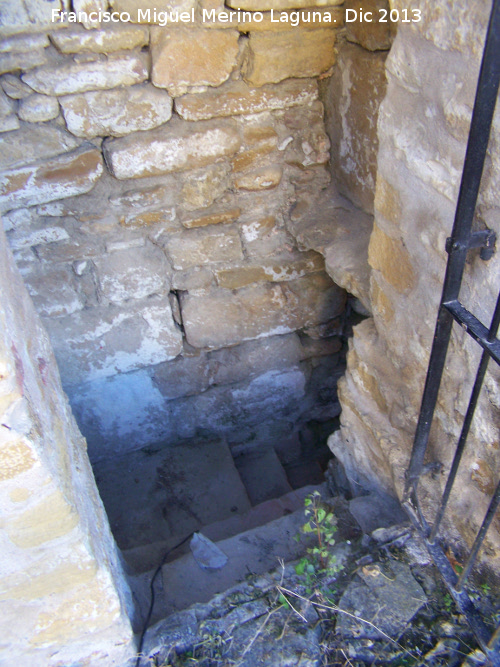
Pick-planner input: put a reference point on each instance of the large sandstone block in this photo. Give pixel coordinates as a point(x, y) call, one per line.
point(142, 11)
point(202, 187)
point(8, 119)
point(106, 40)
point(132, 274)
point(357, 88)
point(116, 112)
point(264, 178)
point(54, 291)
point(177, 147)
point(11, 62)
point(203, 246)
point(212, 217)
point(9, 123)
point(374, 35)
point(38, 108)
point(185, 58)
point(89, 6)
point(99, 342)
point(223, 317)
point(24, 43)
point(33, 143)
point(269, 271)
point(392, 259)
point(236, 97)
point(58, 178)
point(122, 70)
point(14, 87)
point(317, 17)
point(274, 57)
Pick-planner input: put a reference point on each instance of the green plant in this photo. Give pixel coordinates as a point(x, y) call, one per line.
point(486, 588)
point(322, 523)
point(448, 602)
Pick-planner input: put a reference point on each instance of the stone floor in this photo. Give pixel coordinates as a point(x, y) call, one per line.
point(383, 605)
point(238, 593)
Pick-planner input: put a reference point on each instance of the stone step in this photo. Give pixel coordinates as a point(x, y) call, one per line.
point(253, 552)
point(262, 474)
point(161, 494)
point(148, 556)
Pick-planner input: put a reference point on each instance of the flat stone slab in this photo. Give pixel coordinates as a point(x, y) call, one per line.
point(376, 511)
point(165, 493)
point(386, 598)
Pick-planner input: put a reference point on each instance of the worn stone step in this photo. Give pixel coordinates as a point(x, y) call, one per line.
point(262, 474)
point(253, 552)
point(163, 493)
point(147, 557)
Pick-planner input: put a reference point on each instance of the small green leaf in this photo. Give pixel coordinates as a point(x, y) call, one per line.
point(321, 514)
point(283, 601)
point(300, 567)
point(307, 502)
point(308, 528)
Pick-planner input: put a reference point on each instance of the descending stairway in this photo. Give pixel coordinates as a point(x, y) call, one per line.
point(241, 499)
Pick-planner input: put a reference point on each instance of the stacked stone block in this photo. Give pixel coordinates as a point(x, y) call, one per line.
point(147, 176)
point(423, 127)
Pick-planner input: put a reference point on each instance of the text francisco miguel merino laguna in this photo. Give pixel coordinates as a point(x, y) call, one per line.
point(162, 18)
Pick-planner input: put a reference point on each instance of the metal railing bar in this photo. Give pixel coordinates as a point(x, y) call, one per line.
point(477, 145)
point(429, 398)
point(495, 321)
point(495, 638)
point(476, 391)
point(465, 604)
point(475, 328)
point(483, 365)
point(493, 506)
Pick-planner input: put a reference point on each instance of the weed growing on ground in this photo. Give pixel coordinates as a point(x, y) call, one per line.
point(319, 561)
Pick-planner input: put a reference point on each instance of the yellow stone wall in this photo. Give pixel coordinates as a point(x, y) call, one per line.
point(432, 72)
point(63, 597)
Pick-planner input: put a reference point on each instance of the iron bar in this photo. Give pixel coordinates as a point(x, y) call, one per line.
point(483, 365)
point(450, 310)
point(461, 443)
point(495, 639)
point(475, 329)
point(477, 145)
point(462, 599)
point(484, 239)
point(495, 501)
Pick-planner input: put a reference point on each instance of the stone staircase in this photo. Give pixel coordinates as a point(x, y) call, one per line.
point(241, 499)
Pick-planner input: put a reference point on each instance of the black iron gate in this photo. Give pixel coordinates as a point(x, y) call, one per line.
point(451, 310)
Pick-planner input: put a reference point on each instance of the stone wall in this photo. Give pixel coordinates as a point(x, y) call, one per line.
point(432, 72)
point(352, 99)
point(63, 597)
point(146, 177)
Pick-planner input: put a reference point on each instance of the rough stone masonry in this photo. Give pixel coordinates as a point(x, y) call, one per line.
point(147, 174)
